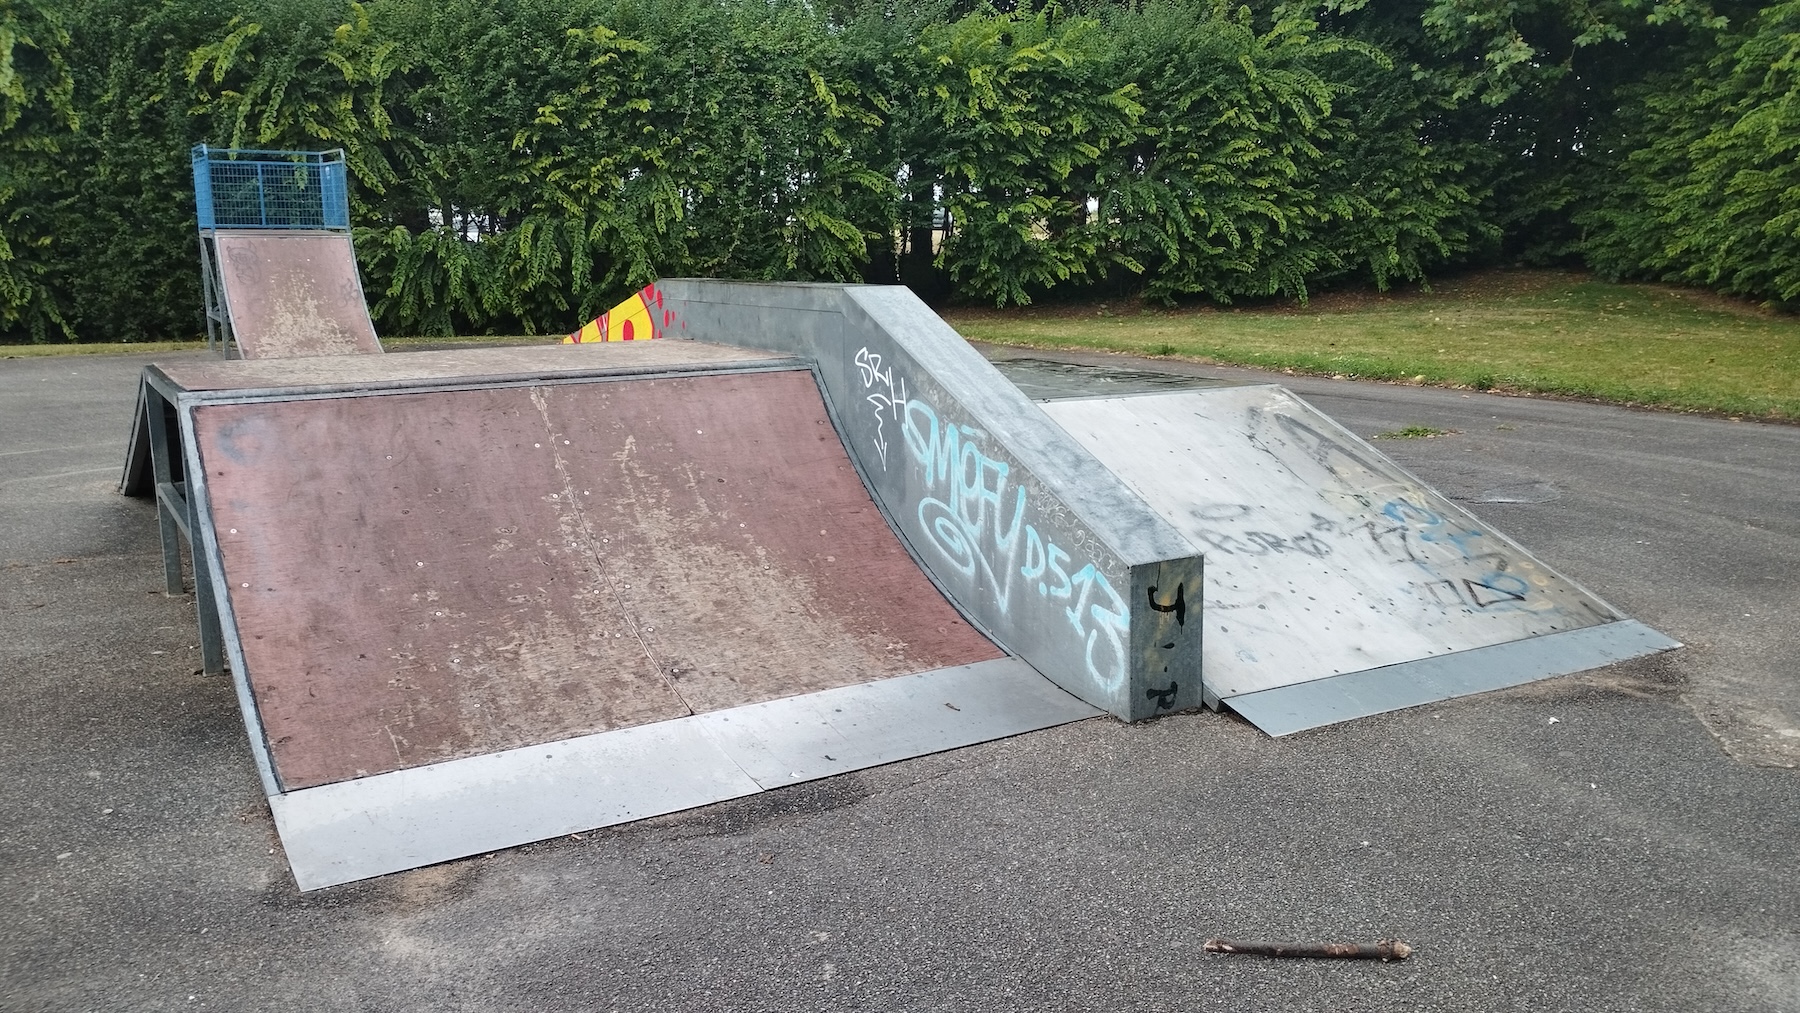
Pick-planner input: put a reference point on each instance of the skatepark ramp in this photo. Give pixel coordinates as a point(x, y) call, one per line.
point(277, 265)
point(479, 598)
point(1335, 585)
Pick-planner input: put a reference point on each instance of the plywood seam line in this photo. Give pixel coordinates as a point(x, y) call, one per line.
point(593, 543)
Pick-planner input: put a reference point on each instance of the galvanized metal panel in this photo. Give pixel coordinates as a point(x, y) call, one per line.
point(401, 820)
point(1048, 551)
point(294, 294)
point(1323, 557)
point(422, 576)
point(352, 830)
point(1288, 709)
point(821, 734)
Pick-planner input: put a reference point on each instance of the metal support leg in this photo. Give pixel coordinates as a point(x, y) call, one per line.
point(156, 410)
point(206, 601)
point(178, 516)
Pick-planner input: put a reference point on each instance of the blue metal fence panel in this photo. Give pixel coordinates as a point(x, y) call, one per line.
point(242, 188)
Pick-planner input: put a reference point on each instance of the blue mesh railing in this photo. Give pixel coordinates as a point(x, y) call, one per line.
point(241, 188)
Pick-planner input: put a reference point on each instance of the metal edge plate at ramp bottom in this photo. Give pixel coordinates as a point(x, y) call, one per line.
point(370, 826)
point(1298, 707)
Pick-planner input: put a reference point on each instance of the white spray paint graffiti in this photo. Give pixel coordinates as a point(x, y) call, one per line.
point(887, 402)
point(975, 517)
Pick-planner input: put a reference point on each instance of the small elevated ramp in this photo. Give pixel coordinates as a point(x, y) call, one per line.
point(277, 263)
point(1337, 584)
point(291, 293)
point(475, 599)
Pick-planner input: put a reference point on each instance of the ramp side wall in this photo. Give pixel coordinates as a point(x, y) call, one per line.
point(1025, 529)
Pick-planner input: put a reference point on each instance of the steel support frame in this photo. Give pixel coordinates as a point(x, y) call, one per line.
point(219, 337)
point(177, 516)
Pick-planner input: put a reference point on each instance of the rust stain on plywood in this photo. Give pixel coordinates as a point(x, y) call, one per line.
point(420, 577)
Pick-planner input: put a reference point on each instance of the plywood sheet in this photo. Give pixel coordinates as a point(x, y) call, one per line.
point(418, 577)
point(294, 294)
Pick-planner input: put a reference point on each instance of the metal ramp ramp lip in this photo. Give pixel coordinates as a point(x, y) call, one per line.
point(1285, 710)
point(445, 369)
point(370, 826)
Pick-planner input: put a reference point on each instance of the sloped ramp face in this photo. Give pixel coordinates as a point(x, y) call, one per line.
point(293, 294)
point(1337, 585)
point(480, 615)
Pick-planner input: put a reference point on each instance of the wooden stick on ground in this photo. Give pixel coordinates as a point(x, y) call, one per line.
point(1387, 949)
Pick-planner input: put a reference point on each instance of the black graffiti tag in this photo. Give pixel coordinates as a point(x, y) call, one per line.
point(1165, 698)
point(1178, 606)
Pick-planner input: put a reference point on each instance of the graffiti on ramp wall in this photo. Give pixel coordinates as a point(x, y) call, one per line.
point(638, 318)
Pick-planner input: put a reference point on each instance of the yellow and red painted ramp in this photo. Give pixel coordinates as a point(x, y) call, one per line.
point(471, 613)
point(643, 316)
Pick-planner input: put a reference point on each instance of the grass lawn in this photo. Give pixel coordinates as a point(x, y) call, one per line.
point(1541, 332)
point(98, 348)
point(1538, 332)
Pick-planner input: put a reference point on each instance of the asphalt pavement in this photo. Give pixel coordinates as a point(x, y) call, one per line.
point(1624, 839)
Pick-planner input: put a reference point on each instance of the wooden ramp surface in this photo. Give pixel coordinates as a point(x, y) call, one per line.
point(294, 294)
point(423, 577)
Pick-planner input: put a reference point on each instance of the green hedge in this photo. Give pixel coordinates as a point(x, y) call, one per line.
point(520, 166)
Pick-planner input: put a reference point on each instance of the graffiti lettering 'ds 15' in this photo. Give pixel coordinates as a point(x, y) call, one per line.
point(976, 518)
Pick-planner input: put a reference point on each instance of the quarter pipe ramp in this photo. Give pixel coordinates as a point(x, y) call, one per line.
point(277, 262)
point(466, 613)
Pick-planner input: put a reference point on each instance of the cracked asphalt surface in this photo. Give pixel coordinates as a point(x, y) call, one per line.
point(1623, 839)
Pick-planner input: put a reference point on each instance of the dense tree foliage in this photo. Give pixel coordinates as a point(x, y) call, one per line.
point(37, 125)
point(521, 165)
point(1712, 195)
